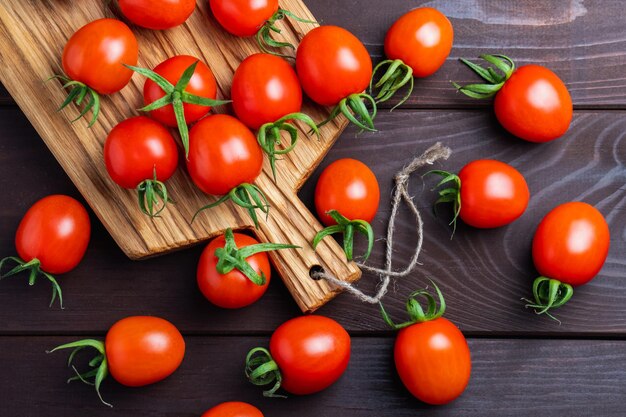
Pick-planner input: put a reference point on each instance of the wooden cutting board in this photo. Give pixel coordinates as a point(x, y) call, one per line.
point(32, 36)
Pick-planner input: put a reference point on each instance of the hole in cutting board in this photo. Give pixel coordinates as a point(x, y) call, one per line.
point(316, 269)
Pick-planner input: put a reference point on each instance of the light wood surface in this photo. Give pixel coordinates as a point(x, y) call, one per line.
point(33, 36)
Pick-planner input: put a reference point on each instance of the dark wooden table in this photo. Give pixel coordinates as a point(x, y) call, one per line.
point(522, 364)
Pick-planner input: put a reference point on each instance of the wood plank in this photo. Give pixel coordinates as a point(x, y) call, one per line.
point(540, 377)
point(583, 42)
point(483, 273)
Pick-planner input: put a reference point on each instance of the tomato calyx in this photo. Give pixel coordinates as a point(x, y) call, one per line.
point(245, 195)
point(495, 81)
point(151, 192)
point(355, 110)
point(261, 370)
point(415, 310)
point(549, 293)
point(264, 35)
point(176, 96)
point(77, 94)
point(397, 75)
point(269, 136)
point(99, 364)
point(34, 268)
point(451, 194)
point(231, 257)
point(347, 227)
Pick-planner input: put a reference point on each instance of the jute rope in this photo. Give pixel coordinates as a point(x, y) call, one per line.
point(432, 154)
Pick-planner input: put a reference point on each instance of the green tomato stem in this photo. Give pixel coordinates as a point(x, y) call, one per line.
point(34, 269)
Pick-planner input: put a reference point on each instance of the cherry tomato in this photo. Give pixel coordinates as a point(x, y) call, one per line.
point(571, 243)
point(137, 147)
point(265, 88)
point(157, 14)
point(223, 153)
point(493, 194)
point(422, 39)
point(332, 64)
point(55, 231)
point(534, 104)
point(142, 350)
point(234, 289)
point(433, 360)
point(233, 409)
point(349, 187)
point(95, 53)
point(202, 84)
point(243, 17)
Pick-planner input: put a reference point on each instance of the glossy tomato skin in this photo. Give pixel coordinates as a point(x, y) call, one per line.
point(493, 194)
point(351, 188)
point(234, 289)
point(157, 14)
point(202, 84)
point(233, 409)
point(95, 53)
point(312, 352)
point(56, 231)
point(332, 64)
point(534, 104)
point(571, 243)
point(243, 17)
point(265, 88)
point(433, 361)
point(135, 148)
point(223, 153)
point(142, 350)
point(422, 39)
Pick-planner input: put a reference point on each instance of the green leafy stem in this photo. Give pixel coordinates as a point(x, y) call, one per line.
point(495, 80)
point(264, 36)
point(415, 310)
point(347, 227)
point(245, 195)
point(34, 268)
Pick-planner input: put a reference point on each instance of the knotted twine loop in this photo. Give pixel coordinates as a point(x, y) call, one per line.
point(401, 192)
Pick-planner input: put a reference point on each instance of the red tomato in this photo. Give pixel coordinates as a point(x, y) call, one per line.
point(265, 88)
point(534, 104)
point(223, 153)
point(157, 14)
point(233, 409)
point(142, 350)
point(56, 231)
point(243, 17)
point(312, 352)
point(422, 39)
point(202, 84)
point(571, 243)
point(351, 188)
point(95, 53)
point(433, 360)
point(135, 148)
point(234, 289)
point(332, 64)
point(493, 194)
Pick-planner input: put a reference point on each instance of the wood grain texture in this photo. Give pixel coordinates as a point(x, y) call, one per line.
point(483, 273)
point(571, 378)
point(33, 33)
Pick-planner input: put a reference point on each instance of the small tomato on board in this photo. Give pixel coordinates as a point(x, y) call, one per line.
point(233, 409)
point(485, 194)
point(531, 102)
point(245, 18)
point(93, 62)
point(224, 159)
point(569, 248)
point(51, 238)
point(267, 97)
point(137, 351)
point(234, 269)
point(140, 153)
point(431, 354)
point(416, 45)
point(307, 354)
point(157, 14)
point(334, 69)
